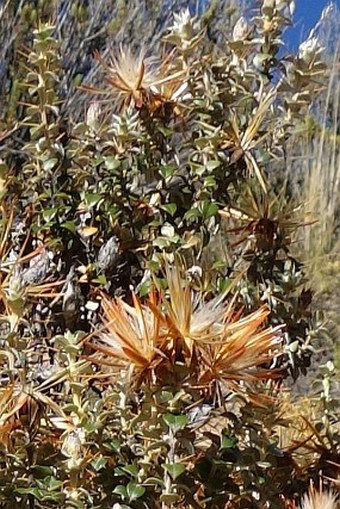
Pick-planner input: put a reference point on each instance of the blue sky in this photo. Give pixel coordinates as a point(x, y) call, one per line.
point(306, 14)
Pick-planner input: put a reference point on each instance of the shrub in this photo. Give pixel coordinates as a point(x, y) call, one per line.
point(140, 366)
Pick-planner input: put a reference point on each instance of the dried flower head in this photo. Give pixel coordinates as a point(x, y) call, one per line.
point(141, 81)
point(188, 317)
point(319, 499)
point(131, 75)
point(133, 336)
point(264, 223)
point(216, 343)
point(241, 351)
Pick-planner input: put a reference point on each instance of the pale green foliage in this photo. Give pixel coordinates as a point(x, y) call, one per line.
point(138, 364)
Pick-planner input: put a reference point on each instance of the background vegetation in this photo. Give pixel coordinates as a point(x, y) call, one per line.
point(169, 186)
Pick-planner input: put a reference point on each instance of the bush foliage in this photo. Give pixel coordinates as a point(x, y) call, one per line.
point(152, 308)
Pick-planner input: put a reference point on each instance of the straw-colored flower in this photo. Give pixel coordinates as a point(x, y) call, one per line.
point(319, 499)
point(131, 74)
point(139, 80)
point(265, 222)
point(242, 350)
point(133, 335)
point(214, 341)
point(187, 317)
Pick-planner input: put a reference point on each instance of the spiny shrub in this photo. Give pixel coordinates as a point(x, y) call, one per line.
point(142, 366)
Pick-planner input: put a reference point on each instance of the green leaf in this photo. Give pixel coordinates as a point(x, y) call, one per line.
point(170, 208)
point(154, 481)
point(101, 280)
point(70, 225)
point(41, 471)
point(134, 491)
point(165, 396)
point(35, 492)
point(192, 213)
point(111, 163)
point(98, 463)
point(167, 171)
point(175, 422)
point(69, 244)
point(209, 209)
point(62, 196)
point(174, 469)
point(92, 198)
point(50, 483)
point(212, 165)
point(121, 491)
point(131, 470)
point(115, 445)
point(165, 131)
point(210, 181)
point(228, 441)
point(161, 242)
point(49, 214)
point(169, 498)
point(219, 264)
point(89, 426)
point(77, 80)
point(49, 164)
point(144, 288)
point(223, 283)
point(197, 169)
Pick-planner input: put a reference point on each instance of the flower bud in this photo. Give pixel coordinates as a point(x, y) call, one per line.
point(308, 49)
point(268, 7)
point(183, 25)
point(241, 29)
point(283, 5)
point(108, 256)
point(92, 116)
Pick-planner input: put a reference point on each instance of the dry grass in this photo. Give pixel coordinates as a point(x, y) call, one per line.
point(313, 168)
